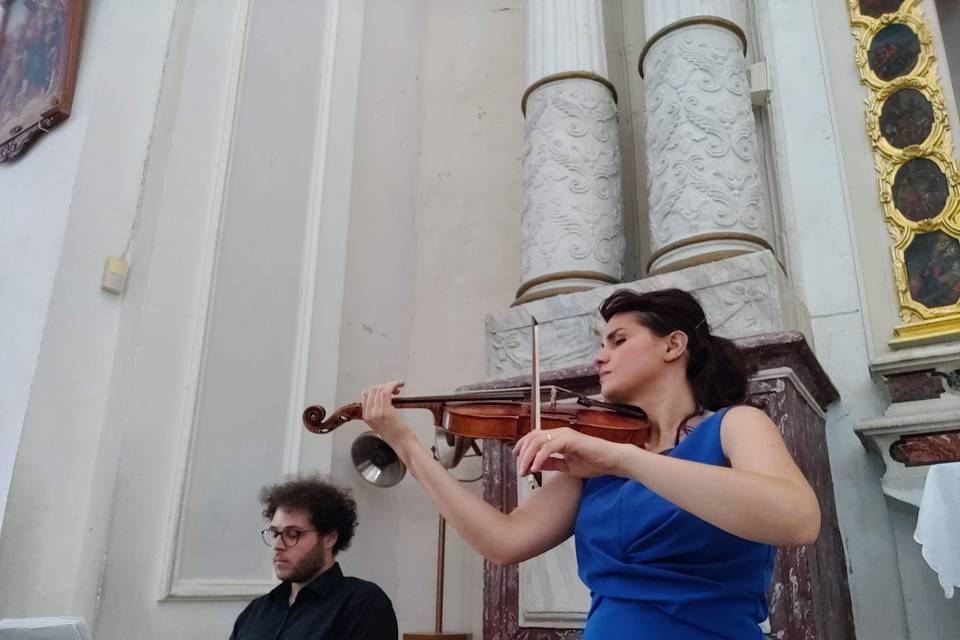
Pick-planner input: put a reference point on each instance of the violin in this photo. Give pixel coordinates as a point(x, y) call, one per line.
point(506, 414)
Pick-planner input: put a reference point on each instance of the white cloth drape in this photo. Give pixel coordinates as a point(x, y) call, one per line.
point(938, 525)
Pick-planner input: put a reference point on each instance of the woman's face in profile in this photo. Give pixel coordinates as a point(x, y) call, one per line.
point(630, 356)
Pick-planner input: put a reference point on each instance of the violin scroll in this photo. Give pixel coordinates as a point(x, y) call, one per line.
point(313, 417)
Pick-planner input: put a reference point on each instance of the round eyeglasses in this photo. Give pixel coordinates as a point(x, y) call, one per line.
point(289, 537)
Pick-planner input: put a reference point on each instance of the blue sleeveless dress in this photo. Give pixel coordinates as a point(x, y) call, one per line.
point(657, 571)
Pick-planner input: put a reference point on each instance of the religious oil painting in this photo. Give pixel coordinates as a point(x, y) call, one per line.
point(39, 50)
point(894, 51)
point(933, 267)
point(876, 8)
point(906, 118)
point(920, 189)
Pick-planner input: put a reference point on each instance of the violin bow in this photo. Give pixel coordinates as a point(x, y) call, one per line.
point(535, 375)
point(535, 389)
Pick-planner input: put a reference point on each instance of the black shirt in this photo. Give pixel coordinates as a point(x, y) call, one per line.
point(330, 607)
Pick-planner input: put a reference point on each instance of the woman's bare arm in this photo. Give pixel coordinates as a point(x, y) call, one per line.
point(762, 496)
point(544, 520)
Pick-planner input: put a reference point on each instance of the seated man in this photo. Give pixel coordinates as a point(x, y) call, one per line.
point(311, 520)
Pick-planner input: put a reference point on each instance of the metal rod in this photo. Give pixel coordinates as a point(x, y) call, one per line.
point(441, 544)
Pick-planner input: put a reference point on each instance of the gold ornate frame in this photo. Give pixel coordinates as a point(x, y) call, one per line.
point(919, 323)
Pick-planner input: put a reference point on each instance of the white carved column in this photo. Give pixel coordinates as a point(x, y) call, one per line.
point(703, 169)
point(572, 214)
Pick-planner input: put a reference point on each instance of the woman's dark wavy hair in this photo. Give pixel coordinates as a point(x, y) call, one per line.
point(330, 507)
point(716, 368)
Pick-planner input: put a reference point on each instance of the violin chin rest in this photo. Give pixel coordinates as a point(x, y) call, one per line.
point(449, 448)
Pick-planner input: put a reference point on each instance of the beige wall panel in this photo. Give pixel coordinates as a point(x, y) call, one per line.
point(434, 245)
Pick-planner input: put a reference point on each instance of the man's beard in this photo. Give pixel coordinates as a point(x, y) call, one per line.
point(308, 567)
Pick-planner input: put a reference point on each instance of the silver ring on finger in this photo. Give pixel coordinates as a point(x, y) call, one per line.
point(549, 437)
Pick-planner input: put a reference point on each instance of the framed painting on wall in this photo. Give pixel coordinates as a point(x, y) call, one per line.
point(39, 50)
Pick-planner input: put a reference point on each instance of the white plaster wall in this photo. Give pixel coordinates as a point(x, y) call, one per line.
point(839, 264)
point(944, 31)
point(95, 164)
point(378, 294)
point(623, 34)
point(434, 246)
point(154, 370)
point(135, 472)
point(36, 192)
point(926, 614)
point(469, 199)
point(386, 206)
point(824, 269)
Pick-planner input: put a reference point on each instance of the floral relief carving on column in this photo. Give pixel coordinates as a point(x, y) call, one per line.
point(701, 148)
point(576, 233)
point(572, 216)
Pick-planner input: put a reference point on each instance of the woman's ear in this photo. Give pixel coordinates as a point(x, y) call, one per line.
point(676, 344)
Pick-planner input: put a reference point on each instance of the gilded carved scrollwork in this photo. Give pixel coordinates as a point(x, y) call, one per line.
point(907, 123)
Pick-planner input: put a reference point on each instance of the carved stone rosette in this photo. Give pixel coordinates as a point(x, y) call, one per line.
point(705, 190)
point(572, 211)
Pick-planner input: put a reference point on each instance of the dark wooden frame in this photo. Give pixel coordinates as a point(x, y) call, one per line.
point(14, 140)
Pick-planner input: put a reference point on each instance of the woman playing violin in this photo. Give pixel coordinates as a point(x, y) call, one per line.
point(674, 539)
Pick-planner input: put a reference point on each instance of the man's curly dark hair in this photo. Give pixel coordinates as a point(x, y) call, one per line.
point(331, 508)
